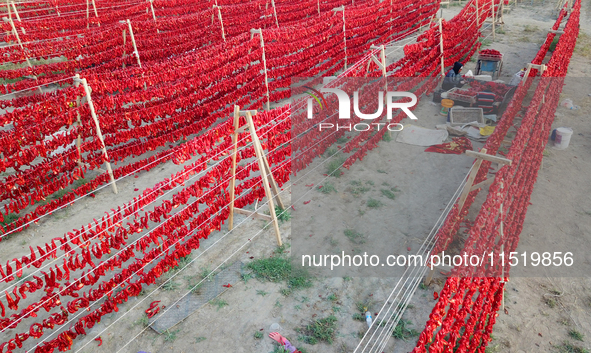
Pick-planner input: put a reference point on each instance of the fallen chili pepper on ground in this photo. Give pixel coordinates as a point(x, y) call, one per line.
point(154, 309)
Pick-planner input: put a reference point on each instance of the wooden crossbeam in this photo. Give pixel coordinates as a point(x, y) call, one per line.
point(243, 112)
point(254, 214)
point(488, 157)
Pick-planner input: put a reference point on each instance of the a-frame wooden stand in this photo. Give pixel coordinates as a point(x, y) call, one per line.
point(480, 157)
point(469, 187)
point(381, 62)
point(531, 66)
point(268, 181)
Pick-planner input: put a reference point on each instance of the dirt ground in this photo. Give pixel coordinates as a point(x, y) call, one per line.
point(541, 311)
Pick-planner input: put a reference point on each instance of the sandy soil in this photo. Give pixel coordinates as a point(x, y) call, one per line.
point(541, 310)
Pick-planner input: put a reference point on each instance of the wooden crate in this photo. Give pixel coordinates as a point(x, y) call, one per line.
point(462, 116)
point(453, 94)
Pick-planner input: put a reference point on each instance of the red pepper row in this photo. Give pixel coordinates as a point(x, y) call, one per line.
point(512, 187)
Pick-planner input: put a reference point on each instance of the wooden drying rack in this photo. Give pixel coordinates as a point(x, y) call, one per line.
point(470, 186)
point(269, 184)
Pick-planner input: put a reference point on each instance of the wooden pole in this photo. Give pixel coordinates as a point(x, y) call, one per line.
point(78, 139)
point(235, 151)
point(260, 33)
point(383, 57)
point(441, 47)
point(18, 39)
point(98, 132)
point(342, 8)
point(262, 169)
point(152, 7)
point(275, 13)
point(318, 7)
point(494, 19)
point(477, 15)
point(221, 20)
point(124, 42)
point(272, 182)
point(470, 181)
point(391, 20)
point(345, 37)
point(384, 73)
point(135, 52)
point(18, 18)
point(95, 13)
point(429, 276)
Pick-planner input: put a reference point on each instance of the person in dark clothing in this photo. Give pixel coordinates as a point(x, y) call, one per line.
point(453, 78)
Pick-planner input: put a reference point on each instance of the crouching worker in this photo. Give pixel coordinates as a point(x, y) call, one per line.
point(453, 77)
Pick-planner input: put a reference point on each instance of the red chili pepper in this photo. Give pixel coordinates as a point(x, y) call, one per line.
point(100, 341)
point(152, 313)
point(227, 285)
point(307, 202)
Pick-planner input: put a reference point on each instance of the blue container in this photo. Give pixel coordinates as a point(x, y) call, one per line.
point(553, 136)
point(488, 65)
